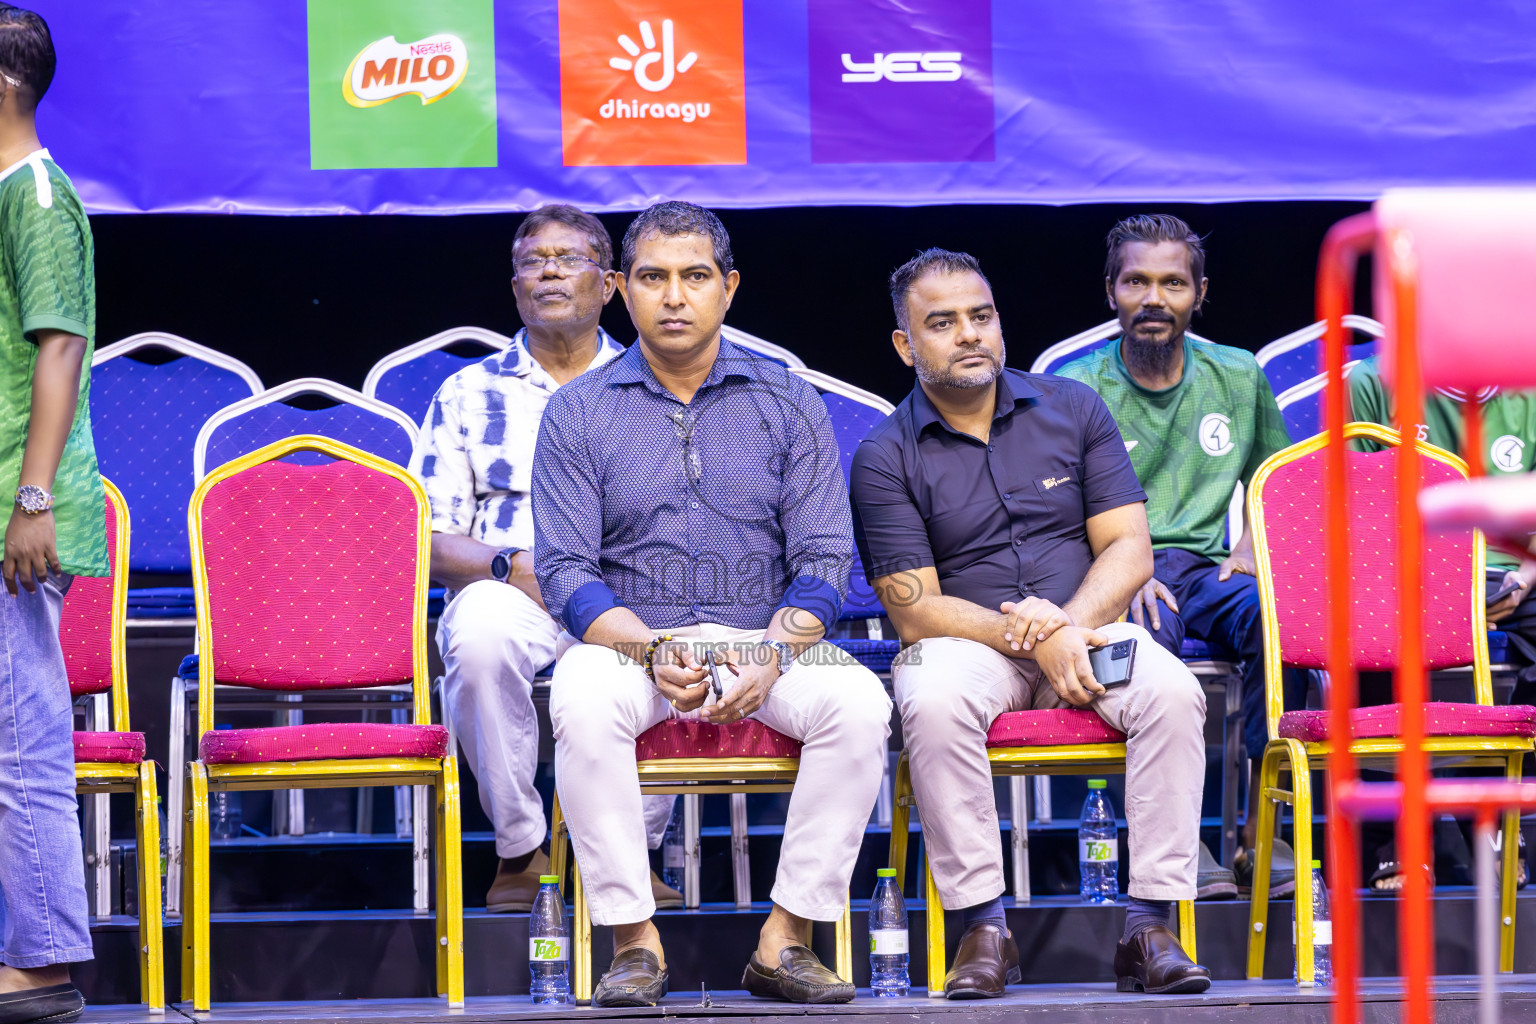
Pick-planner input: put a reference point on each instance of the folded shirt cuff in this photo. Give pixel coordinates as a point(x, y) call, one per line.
point(814, 595)
point(584, 606)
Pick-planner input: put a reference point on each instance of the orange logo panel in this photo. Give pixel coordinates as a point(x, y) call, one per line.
point(652, 82)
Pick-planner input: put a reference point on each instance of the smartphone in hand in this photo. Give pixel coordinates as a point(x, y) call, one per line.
point(714, 674)
point(1112, 663)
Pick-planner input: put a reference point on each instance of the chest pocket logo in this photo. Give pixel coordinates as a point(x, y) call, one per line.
point(1216, 434)
point(1507, 453)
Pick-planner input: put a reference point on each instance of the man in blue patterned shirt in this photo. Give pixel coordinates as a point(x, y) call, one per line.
point(474, 457)
point(687, 496)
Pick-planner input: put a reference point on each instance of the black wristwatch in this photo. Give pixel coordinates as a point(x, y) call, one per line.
point(501, 564)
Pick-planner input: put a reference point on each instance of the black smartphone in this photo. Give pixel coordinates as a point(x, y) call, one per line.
point(714, 674)
point(1112, 663)
point(1504, 591)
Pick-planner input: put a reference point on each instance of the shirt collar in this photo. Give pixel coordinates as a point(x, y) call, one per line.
point(731, 361)
point(1012, 388)
point(1125, 371)
point(517, 361)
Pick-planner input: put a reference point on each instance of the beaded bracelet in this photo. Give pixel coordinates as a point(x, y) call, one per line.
point(650, 654)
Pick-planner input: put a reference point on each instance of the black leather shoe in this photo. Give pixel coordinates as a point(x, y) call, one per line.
point(799, 978)
point(1153, 961)
point(635, 978)
point(987, 960)
point(51, 1003)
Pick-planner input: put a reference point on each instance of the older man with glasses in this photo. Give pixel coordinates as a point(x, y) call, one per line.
point(475, 459)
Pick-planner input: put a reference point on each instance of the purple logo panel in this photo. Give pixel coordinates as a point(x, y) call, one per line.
point(901, 81)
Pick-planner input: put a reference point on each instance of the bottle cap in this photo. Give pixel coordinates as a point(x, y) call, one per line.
point(885, 872)
point(1317, 865)
point(549, 879)
point(1095, 783)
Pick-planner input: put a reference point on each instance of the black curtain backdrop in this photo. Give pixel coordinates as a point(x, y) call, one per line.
point(327, 296)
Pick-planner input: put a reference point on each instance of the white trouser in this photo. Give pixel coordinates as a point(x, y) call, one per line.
point(949, 691)
point(601, 701)
point(494, 639)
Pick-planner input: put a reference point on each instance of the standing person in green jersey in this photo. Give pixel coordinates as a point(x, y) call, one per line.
point(1197, 420)
point(1509, 433)
point(55, 531)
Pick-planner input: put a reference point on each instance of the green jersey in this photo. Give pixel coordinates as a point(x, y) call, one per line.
point(47, 282)
point(1509, 427)
point(1193, 443)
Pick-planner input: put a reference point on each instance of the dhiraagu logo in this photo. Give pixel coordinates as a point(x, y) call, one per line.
point(401, 83)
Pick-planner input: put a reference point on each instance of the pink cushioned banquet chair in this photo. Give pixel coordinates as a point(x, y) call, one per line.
point(93, 633)
point(314, 577)
point(1287, 519)
point(692, 757)
point(1061, 741)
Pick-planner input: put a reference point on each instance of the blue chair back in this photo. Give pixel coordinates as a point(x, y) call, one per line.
point(408, 378)
point(145, 418)
point(854, 414)
point(1298, 357)
point(359, 421)
point(767, 349)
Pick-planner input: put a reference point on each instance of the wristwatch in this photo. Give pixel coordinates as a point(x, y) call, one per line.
point(33, 500)
point(501, 564)
point(786, 654)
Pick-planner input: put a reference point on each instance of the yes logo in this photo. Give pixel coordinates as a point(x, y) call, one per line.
point(1216, 434)
point(645, 82)
point(904, 67)
point(1507, 453)
point(364, 56)
point(385, 70)
point(899, 81)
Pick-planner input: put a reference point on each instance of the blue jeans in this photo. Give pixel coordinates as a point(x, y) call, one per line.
point(43, 914)
point(1225, 615)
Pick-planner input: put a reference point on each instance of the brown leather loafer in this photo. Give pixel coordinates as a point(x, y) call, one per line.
point(799, 978)
point(1153, 961)
point(512, 892)
point(635, 978)
point(987, 960)
point(55, 1004)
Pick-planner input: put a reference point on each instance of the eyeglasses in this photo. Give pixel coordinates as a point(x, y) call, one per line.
point(14, 83)
point(570, 262)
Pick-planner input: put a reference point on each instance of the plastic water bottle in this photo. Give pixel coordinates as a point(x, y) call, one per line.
point(1322, 934)
point(1098, 847)
point(672, 849)
point(888, 938)
point(549, 946)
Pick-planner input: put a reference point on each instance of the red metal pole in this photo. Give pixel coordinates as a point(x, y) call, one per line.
point(1416, 934)
point(1342, 248)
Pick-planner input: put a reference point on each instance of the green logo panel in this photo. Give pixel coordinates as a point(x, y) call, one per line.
point(401, 83)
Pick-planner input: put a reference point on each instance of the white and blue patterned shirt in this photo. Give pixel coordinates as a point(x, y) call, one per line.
point(475, 452)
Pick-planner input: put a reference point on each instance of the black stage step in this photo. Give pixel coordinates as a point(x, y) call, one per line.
point(389, 954)
point(1275, 1002)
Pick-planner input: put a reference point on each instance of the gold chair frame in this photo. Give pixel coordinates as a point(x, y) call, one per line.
point(1296, 758)
point(440, 773)
point(93, 777)
point(682, 775)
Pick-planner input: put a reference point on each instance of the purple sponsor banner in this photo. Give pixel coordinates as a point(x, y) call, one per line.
point(209, 105)
point(901, 81)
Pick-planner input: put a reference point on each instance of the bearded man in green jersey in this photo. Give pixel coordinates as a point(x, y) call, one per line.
point(1197, 420)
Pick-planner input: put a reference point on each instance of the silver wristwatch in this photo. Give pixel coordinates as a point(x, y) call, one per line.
point(786, 654)
point(33, 500)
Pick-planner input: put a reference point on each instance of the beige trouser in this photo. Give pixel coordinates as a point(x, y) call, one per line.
point(600, 701)
point(949, 691)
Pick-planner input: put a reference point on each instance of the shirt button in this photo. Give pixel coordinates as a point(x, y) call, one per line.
point(693, 504)
point(1007, 497)
point(1018, 540)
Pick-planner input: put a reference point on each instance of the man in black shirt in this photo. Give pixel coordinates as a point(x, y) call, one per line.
point(1004, 529)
